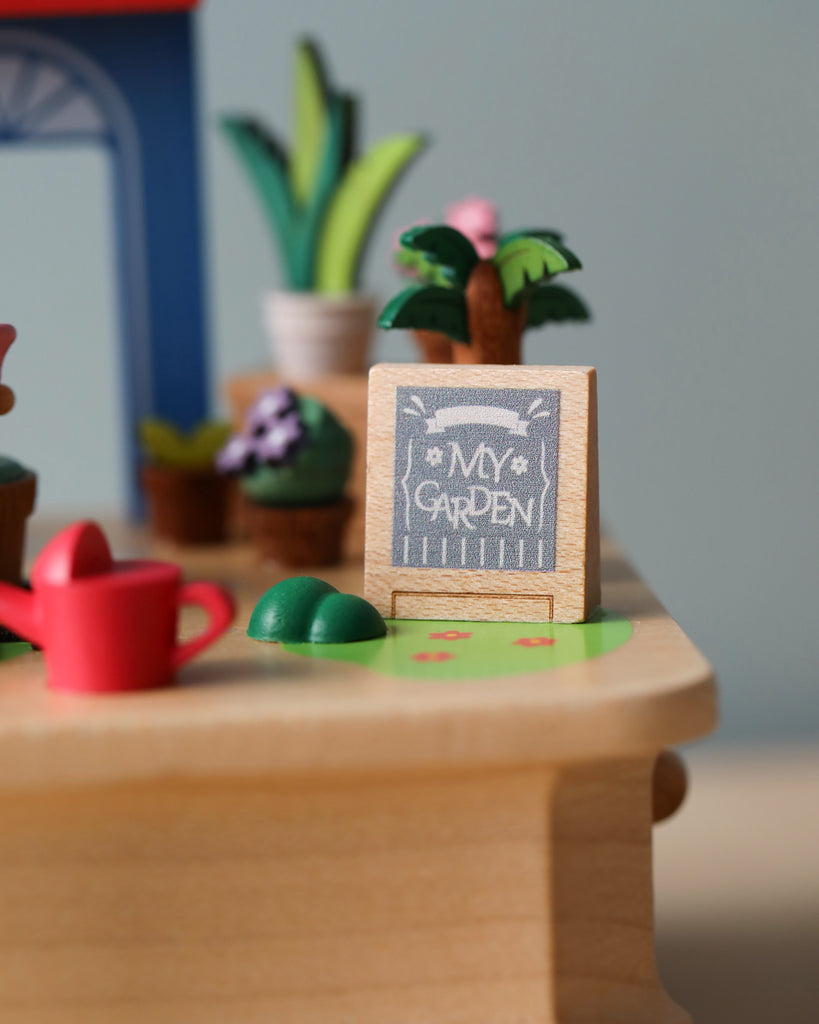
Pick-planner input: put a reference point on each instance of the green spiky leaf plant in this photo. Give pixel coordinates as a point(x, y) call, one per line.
point(320, 199)
point(165, 445)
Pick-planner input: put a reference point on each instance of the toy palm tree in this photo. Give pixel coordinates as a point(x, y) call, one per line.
point(484, 304)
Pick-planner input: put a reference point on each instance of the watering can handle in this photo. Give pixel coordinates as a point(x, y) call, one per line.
point(218, 603)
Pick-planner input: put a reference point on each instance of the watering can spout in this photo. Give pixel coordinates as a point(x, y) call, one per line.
point(18, 611)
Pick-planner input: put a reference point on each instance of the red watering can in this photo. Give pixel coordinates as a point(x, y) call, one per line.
point(107, 626)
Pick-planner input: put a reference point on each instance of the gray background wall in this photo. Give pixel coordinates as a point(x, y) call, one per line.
point(678, 147)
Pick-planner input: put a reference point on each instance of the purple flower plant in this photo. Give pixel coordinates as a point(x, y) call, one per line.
point(273, 435)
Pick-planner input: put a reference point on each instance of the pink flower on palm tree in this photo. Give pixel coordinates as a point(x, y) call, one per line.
point(477, 219)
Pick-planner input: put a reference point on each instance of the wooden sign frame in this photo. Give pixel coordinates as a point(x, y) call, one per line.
point(550, 409)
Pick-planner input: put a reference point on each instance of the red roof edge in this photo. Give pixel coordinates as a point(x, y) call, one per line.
point(68, 8)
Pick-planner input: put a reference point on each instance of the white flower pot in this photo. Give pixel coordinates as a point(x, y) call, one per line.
point(312, 335)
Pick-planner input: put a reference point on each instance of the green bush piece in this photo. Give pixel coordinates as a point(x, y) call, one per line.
point(284, 612)
point(304, 609)
point(318, 474)
point(345, 619)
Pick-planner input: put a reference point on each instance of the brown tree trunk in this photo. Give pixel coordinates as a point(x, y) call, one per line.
point(435, 347)
point(16, 505)
point(495, 331)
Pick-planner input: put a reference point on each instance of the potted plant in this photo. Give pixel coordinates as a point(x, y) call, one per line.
point(321, 200)
point(477, 219)
point(292, 460)
point(187, 499)
point(483, 303)
point(18, 487)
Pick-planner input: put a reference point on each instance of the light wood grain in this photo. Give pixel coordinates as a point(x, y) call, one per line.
point(573, 589)
point(280, 839)
point(443, 899)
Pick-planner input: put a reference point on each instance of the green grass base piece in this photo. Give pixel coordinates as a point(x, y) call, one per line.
point(13, 649)
point(451, 651)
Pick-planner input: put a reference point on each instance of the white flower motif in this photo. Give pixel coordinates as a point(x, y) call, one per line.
point(434, 456)
point(520, 465)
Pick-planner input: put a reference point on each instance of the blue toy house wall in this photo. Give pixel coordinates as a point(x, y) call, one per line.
point(149, 59)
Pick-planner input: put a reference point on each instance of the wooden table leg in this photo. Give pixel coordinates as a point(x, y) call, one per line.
point(600, 881)
point(496, 897)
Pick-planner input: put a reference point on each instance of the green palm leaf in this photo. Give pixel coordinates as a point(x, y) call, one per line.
point(355, 207)
point(310, 220)
point(265, 162)
point(418, 265)
point(554, 303)
point(547, 234)
point(526, 261)
point(428, 308)
point(310, 100)
point(443, 245)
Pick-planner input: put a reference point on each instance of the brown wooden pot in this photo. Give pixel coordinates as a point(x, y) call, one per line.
point(188, 506)
point(16, 505)
point(296, 535)
point(434, 347)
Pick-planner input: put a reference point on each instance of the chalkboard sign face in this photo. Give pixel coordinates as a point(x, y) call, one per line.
point(475, 478)
point(482, 493)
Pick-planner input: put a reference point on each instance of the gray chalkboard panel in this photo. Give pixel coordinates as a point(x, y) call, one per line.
point(475, 478)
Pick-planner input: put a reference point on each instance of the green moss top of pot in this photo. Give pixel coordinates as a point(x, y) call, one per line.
point(10, 470)
point(292, 452)
point(166, 445)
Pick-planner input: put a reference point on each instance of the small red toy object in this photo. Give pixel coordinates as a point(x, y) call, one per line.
point(106, 626)
point(59, 8)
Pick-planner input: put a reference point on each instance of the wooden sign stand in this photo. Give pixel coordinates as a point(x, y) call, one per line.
point(482, 493)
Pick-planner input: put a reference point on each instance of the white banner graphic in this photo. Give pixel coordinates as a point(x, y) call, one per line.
point(484, 415)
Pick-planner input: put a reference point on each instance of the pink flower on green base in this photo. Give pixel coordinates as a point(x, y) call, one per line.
point(534, 641)
point(450, 634)
point(432, 656)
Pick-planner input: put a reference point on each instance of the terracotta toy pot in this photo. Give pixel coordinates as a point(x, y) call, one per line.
point(188, 506)
point(16, 505)
point(434, 347)
point(299, 535)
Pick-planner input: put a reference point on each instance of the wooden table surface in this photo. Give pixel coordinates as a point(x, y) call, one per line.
point(316, 842)
point(737, 900)
point(656, 690)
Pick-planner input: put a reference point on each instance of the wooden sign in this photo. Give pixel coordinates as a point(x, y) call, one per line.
point(482, 496)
